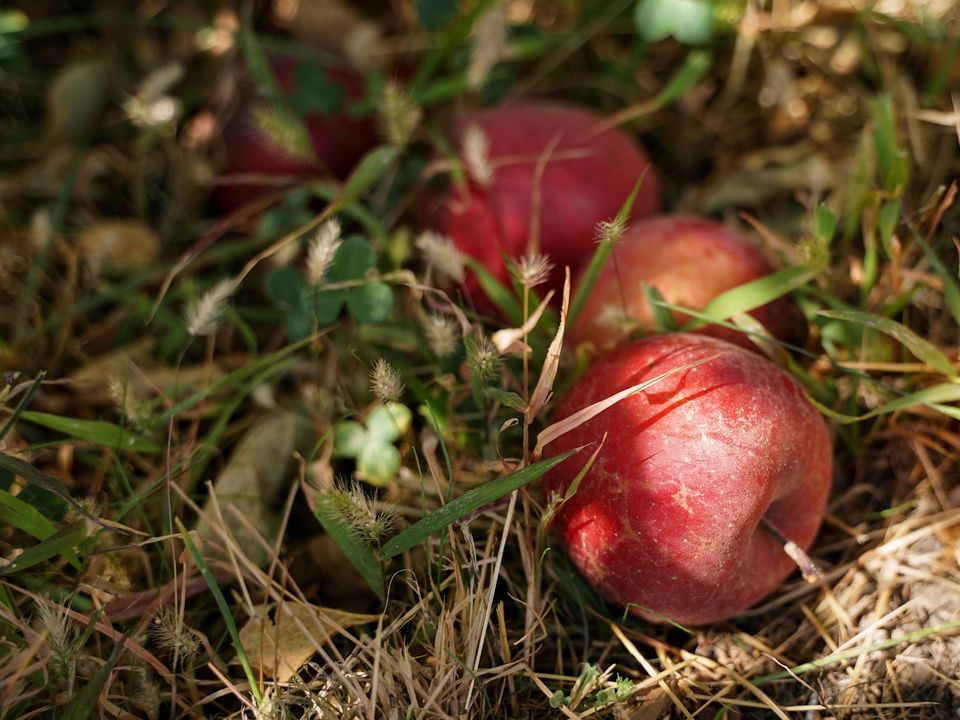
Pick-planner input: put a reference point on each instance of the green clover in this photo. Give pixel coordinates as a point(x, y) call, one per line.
point(370, 302)
point(372, 444)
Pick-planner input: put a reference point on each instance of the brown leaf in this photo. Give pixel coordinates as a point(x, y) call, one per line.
point(119, 246)
point(280, 646)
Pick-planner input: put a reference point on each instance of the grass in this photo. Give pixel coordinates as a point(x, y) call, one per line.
point(176, 534)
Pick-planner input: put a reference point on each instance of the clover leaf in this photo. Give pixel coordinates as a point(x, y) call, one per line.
point(306, 306)
point(372, 444)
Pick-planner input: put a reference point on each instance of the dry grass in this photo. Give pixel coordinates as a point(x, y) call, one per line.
point(481, 620)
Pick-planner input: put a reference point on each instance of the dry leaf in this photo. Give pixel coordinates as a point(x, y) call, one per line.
point(280, 646)
point(260, 470)
point(552, 432)
point(119, 246)
point(552, 362)
point(75, 99)
point(510, 339)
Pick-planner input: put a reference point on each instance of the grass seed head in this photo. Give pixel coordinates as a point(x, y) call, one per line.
point(360, 512)
point(532, 270)
point(442, 335)
point(610, 231)
point(385, 382)
point(398, 115)
point(62, 639)
point(476, 155)
point(172, 635)
point(323, 249)
point(483, 359)
point(442, 254)
point(284, 132)
point(204, 315)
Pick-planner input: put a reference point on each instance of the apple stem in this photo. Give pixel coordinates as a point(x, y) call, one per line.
point(811, 571)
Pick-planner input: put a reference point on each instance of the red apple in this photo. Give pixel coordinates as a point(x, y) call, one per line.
point(338, 140)
point(668, 519)
point(587, 177)
point(690, 261)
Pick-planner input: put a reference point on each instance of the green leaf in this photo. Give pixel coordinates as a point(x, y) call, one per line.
point(932, 397)
point(824, 224)
point(81, 705)
point(924, 350)
point(468, 502)
point(599, 258)
point(358, 553)
point(892, 161)
point(371, 168)
point(349, 437)
point(389, 422)
point(689, 21)
point(434, 14)
point(60, 543)
point(371, 303)
point(378, 463)
point(693, 69)
point(498, 293)
point(887, 218)
point(285, 287)
point(509, 399)
point(101, 433)
point(951, 291)
point(25, 517)
point(354, 258)
point(221, 601)
point(325, 306)
point(43, 492)
point(663, 319)
point(755, 293)
point(314, 93)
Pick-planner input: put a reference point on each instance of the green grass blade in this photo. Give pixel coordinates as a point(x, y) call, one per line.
point(601, 254)
point(99, 432)
point(932, 397)
point(22, 405)
point(754, 294)
point(663, 319)
point(367, 171)
point(498, 293)
point(923, 349)
point(43, 481)
point(25, 517)
point(224, 609)
point(81, 705)
point(951, 291)
point(910, 637)
point(689, 74)
point(357, 552)
point(467, 503)
point(61, 543)
point(229, 381)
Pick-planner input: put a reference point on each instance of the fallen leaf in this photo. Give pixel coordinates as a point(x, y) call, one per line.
point(258, 474)
point(75, 99)
point(119, 246)
point(280, 645)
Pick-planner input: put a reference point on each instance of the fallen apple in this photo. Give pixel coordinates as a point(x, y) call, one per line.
point(539, 176)
point(678, 517)
point(690, 261)
point(337, 140)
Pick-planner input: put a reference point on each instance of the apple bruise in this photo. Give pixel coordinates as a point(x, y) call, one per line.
point(586, 178)
point(691, 261)
point(668, 518)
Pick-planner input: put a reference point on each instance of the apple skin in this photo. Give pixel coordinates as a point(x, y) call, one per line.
point(690, 261)
point(587, 180)
point(666, 520)
point(338, 141)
